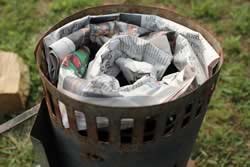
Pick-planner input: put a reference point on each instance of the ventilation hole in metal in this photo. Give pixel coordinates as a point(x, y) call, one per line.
point(149, 129)
point(198, 112)
point(169, 129)
point(102, 128)
point(188, 108)
point(81, 123)
point(170, 124)
point(185, 122)
point(126, 135)
point(94, 157)
point(126, 132)
point(83, 132)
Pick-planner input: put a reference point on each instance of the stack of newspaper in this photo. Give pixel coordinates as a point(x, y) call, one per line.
point(126, 59)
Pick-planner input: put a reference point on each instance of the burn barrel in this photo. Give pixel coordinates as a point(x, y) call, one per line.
point(162, 135)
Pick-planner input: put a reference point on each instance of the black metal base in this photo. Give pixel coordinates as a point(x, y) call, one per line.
point(56, 149)
point(50, 145)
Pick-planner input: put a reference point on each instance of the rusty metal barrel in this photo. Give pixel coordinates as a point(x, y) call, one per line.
point(162, 135)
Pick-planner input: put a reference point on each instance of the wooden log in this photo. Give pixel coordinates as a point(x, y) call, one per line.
point(14, 83)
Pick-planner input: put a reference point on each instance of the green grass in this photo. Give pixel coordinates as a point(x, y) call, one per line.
point(16, 153)
point(224, 139)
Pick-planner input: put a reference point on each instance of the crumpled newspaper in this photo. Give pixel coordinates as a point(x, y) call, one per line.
point(126, 46)
point(207, 56)
point(134, 70)
point(139, 46)
point(96, 33)
point(204, 52)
